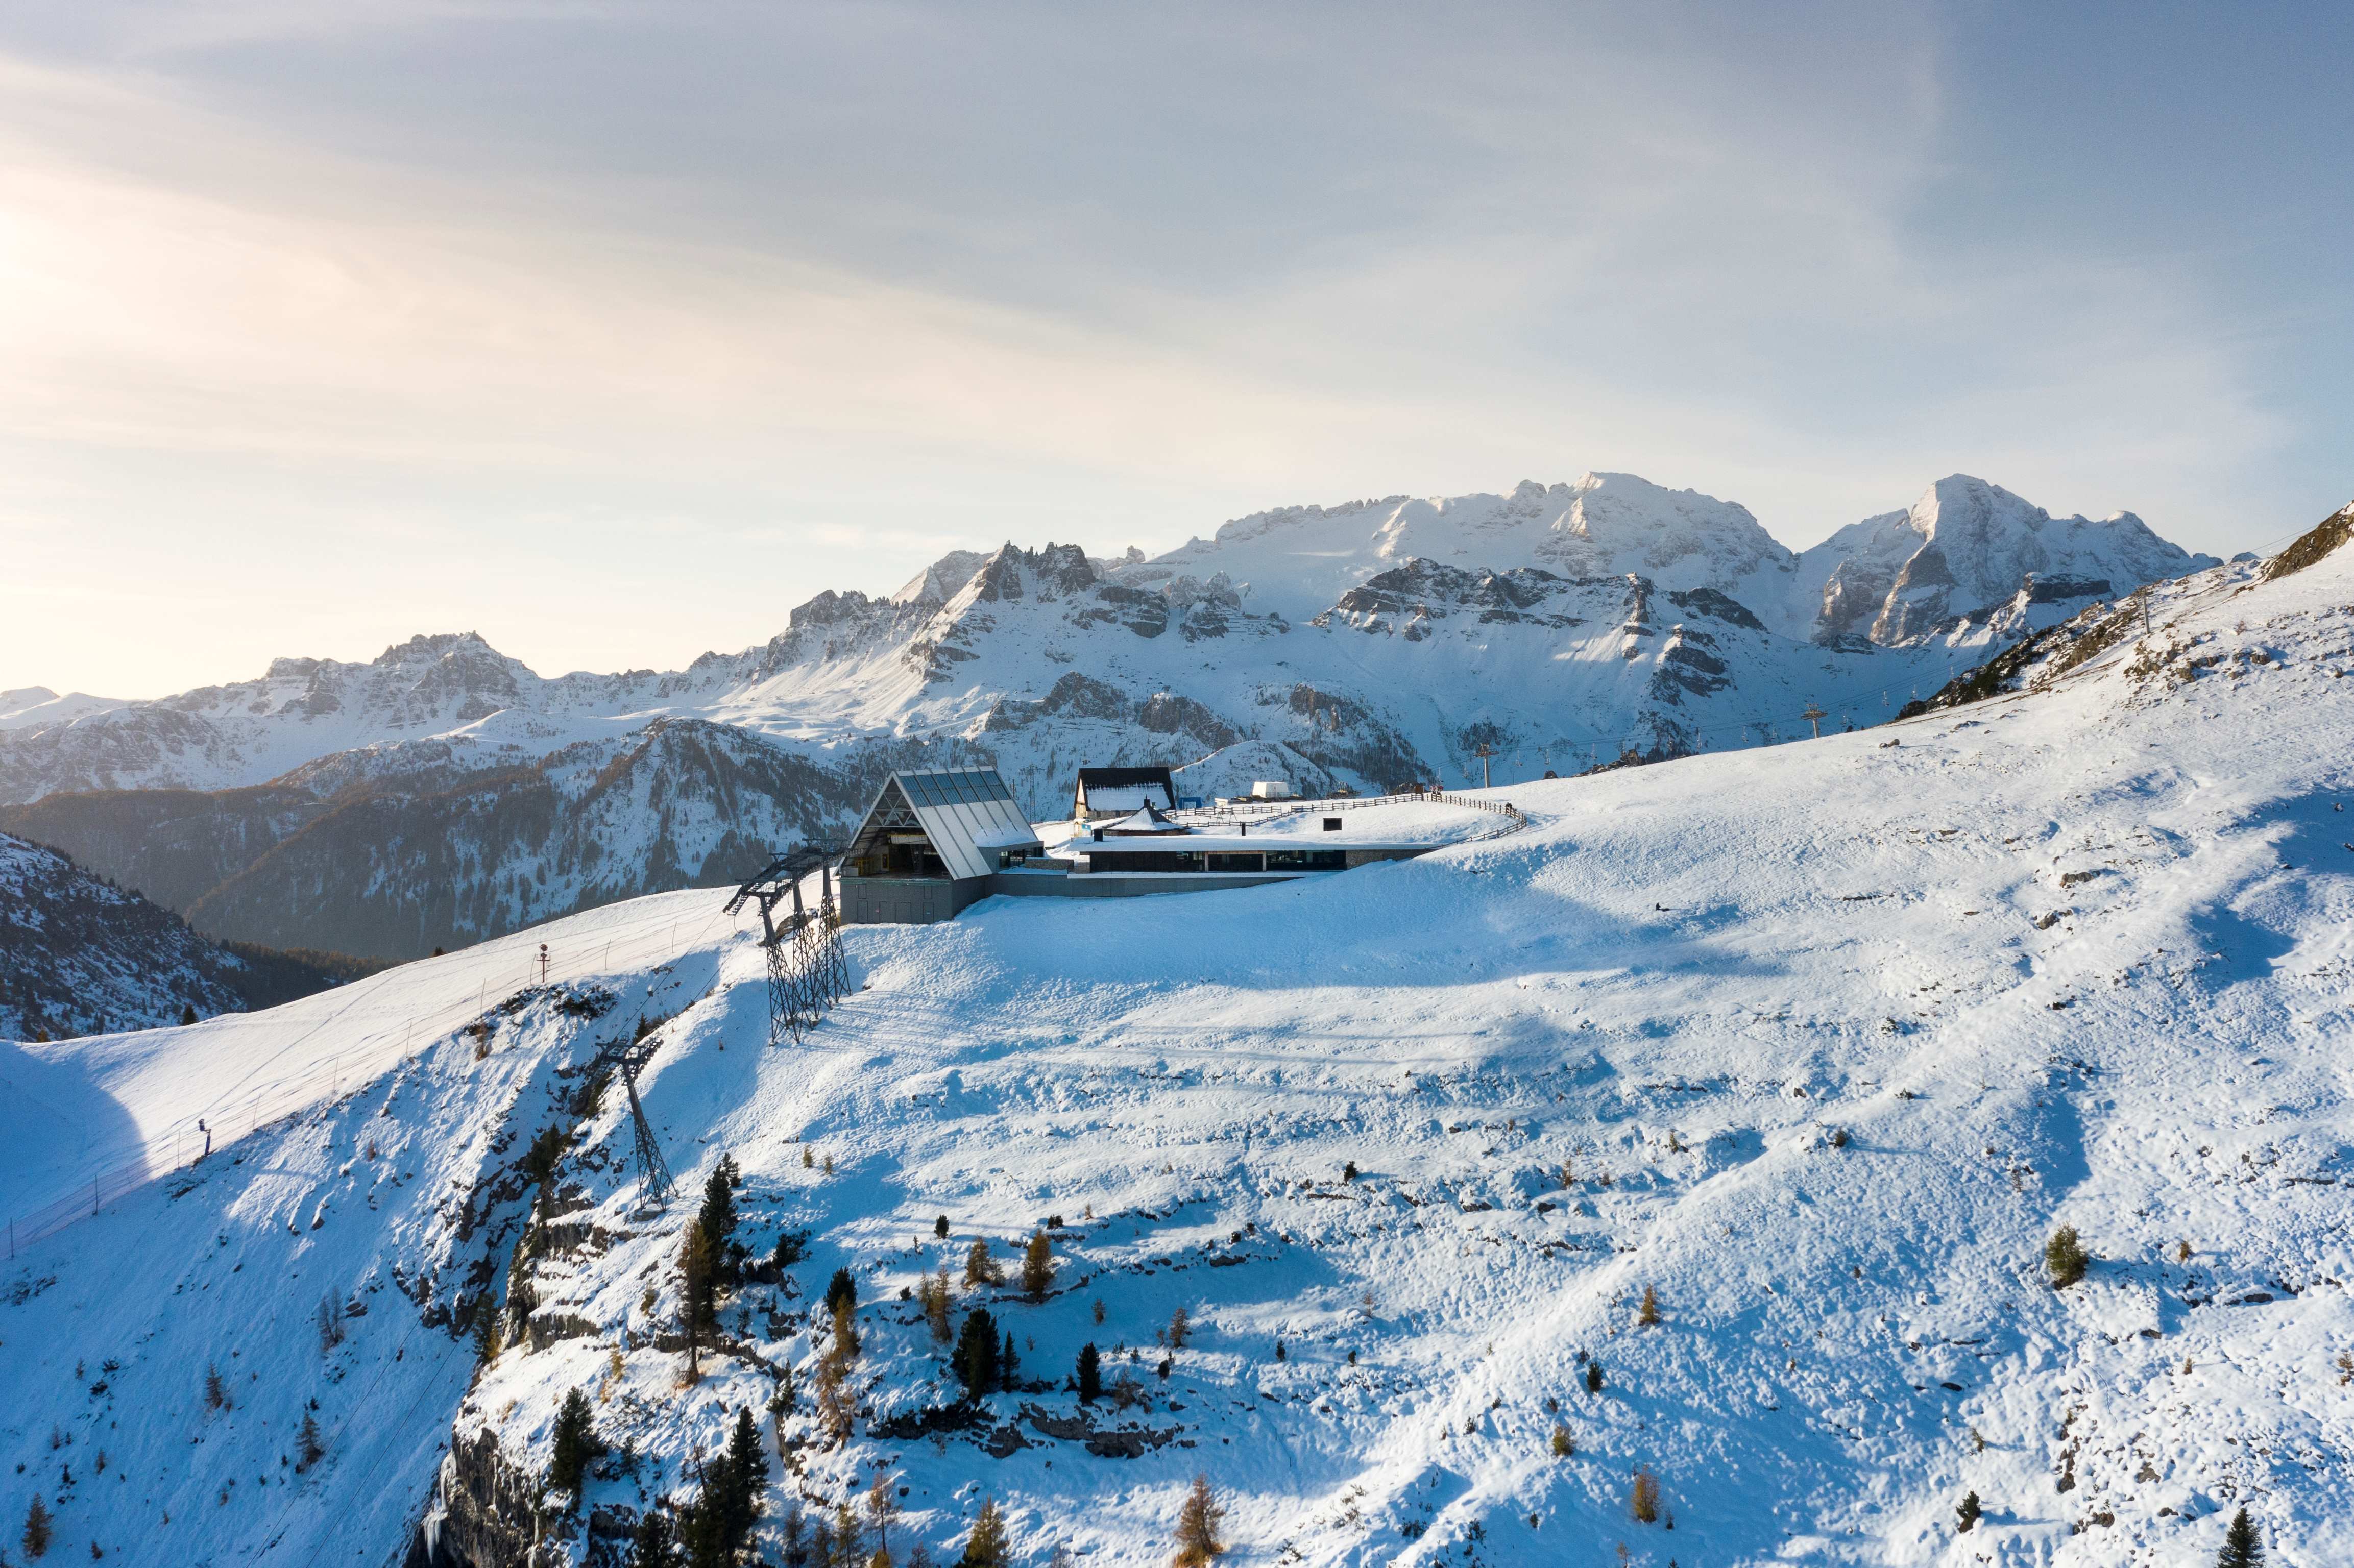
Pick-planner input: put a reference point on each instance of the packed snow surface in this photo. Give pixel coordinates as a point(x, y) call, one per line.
point(1817, 1043)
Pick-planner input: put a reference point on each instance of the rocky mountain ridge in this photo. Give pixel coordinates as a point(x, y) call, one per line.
point(1455, 640)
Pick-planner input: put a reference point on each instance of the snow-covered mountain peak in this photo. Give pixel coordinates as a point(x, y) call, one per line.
point(938, 582)
point(1619, 523)
point(1966, 545)
point(1300, 560)
point(28, 707)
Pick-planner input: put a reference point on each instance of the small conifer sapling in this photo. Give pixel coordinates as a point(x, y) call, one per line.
point(1966, 1517)
point(2064, 1258)
point(1643, 1499)
point(2243, 1547)
point(1037, 1266)
point(1090, 1373)
point(37, 1529)
point(987, 1546)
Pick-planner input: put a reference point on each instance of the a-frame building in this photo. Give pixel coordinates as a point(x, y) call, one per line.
point(929, 844)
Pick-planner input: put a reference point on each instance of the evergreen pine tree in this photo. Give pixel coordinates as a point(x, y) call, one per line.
point(36, 1538)
point(1009, 1365)
point(1090, 1373)
point(486, 1330)
point(940, 1227)
point(1037, 1266)
point(308, 1446)
point(1197, 1527)
point(742, 1476)
point(697, 1290)
point(216, 1391)
point(1563, 1446)
point(575, 1445)
point(2243, 1547)
point(653, 1545)
point(980, 1269)
point(1180, 1323)
point(187, 1015)
point(1649, 1313)
point(845, 1334)
point(718, 1212)
point(986, 1547)
point(1966, 1517)
point(842, 1287)
point(975, 1358)
point(1594, 1377)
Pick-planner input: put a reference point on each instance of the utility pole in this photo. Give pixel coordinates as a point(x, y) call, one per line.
point(1484, 752)
point(543, 963)
point(1815, 716)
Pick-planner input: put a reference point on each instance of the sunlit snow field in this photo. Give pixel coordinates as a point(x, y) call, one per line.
point(1829, 1037)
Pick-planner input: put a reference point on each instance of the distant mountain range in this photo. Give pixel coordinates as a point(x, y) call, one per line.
point(443, 792)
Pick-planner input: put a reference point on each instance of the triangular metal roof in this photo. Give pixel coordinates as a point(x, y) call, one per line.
point(968, 814)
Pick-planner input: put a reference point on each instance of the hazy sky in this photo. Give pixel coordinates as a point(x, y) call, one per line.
point(613, 331)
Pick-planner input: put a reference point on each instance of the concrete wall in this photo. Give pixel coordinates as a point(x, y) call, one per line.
point(907, 900)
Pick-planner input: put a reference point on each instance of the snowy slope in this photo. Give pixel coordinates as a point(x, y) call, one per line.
point(1830, 1037)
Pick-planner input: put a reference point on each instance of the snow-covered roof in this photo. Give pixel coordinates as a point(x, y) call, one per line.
point(961, 812)
point(1147, 820)
point(1128, 797)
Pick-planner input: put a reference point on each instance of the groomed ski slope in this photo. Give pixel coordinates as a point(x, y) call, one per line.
point(1831, 1036)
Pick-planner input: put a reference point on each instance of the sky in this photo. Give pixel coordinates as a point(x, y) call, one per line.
point(613, 331)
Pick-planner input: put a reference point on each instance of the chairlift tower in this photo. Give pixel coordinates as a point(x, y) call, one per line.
point(653, 1172)
point(1815, 716)
point(808, 971)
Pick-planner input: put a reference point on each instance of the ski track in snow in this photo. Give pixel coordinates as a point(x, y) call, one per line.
point(1827, 1068)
